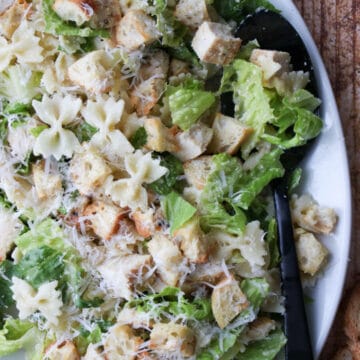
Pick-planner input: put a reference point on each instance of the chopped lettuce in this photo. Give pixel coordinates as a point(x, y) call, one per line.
point(55, 25)
point(172, 30)
point(19, 85)
point(177, 210)
point(84, 131)
point(171, 300)
point(45, 233)
point(219, 347)
point(37, 130)
point(18, 334)
point(265, 349)
point(6, 299)
point(271, 239)
point(40, 265)
point(256, 291)
point(86, 337)
point(169, 181)
point(252, 104)
point(139, 139)
point(294, 123)
point(188, 101)
point(24, 167)
point(237, 10)
point(187, 105)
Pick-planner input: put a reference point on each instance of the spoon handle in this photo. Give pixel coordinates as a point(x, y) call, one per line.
point(298, 346)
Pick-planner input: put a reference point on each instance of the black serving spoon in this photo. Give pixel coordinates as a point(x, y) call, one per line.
point(274, 32)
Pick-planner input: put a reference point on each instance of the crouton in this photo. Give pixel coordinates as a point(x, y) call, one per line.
point(107, 14)
point(307, 214)
point(159, 137)
point(135, 29)
point(227, 301)
point(127, 5)
point(354, 347)
point(144, 222)
point(193, 142)
point(351, 317)
point(192, 13)
point(214, 44)
point(192, 243)
point(173, 337)
point(259, 329)
point(151, 83)
point(93, 72)
point(79, 11)
point(197, 171)
point(311, 253)
point(88, 171)
point(229, 135)
point(178, 67)
point(47, 184)
point(273, 63)
point(104, 218)
point(12, 16)
point(167, 258)
point(125, 274)
point(66, 350)
point(210, 273)
point(121, 343)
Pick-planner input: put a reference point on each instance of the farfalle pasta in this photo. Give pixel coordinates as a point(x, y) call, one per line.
point(57, 112)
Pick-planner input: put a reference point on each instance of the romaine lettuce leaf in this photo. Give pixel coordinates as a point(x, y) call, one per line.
point(177, 210)
point(18, 334)
point(256, 291)
point(218, 210)
point(86, 337)
point(55, 25)
point(171, 300)
point(265, 349)
point(139, 139)
point(6, 295)
point(271, 239)
point(187, 105)
point(173, 31)
point(169, 181)
point(84, 131)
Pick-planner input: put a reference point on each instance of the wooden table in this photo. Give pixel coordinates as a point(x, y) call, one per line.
point(335, 25)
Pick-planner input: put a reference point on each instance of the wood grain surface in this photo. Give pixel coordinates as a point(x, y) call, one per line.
point(335, 26)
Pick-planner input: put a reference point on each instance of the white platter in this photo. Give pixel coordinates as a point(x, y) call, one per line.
point(327, 179)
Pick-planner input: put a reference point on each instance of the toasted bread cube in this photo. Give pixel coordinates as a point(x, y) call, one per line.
point(78, 11)
point(151, 84)
point(192, 242)
point(107, 14)
point(214, 44)
point(260, 329)
point(227, 301)
point(159, 137)
point(351, 317)
point(144, 222)
point(273, 63)
point(209, 272)
point(192, 13)
point(307, 213)
point(135, 29)
point(193, 142)
point(128, 5)
point(197, 171)
point(11, 17)
point(92, 72)
point(311, 253)
point(88, 171)
point(178, 67)
point(229, 135)
point(173, 337)
point(167, 258)
point(122, 343)
point(46, 184)
point(123, 275)
point(104, 218)
point(66, 350)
